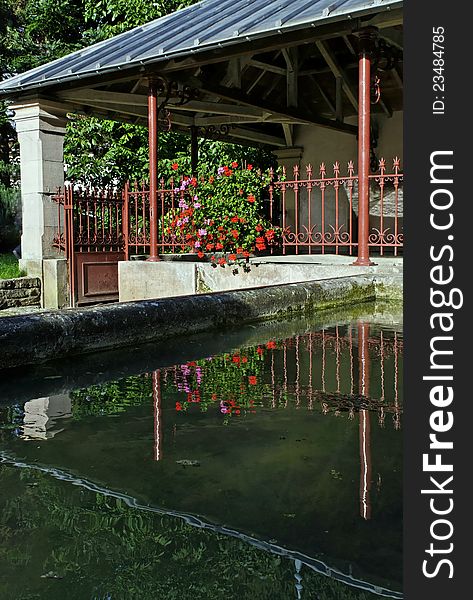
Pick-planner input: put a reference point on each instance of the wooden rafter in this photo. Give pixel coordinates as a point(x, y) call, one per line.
point(328, 101)
point(268, 67)
point(338, 71)
point(292, 88)
point(296, 115)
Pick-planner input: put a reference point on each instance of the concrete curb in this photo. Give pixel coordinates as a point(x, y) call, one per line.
point(40, 337)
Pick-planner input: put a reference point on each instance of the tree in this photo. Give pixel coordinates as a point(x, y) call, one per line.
point(97, 151)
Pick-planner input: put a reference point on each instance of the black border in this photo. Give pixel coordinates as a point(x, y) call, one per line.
point(423, 134)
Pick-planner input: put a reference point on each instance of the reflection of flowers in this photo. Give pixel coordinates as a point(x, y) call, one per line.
point(232, 382)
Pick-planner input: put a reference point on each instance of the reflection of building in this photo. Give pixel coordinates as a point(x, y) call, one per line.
point(352, 371)
point(298, 578)
point(40, 421)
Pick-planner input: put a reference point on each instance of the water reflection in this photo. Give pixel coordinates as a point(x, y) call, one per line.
point(297, 440)
point(245, 377)
point(42, 416)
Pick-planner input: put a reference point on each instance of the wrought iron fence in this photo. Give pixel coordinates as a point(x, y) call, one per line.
point(319, 211)
point(89, 220)
point(136, 230)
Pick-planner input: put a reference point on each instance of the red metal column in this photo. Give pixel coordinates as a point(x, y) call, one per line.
point(365, 423)
point(364, 113)
point(153, 168)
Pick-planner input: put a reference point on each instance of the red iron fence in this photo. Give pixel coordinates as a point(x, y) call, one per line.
point(136, 225)
point(318, 212)
point(91, 235)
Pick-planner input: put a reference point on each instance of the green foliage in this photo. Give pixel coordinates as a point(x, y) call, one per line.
point(111, 17)
point(111, 398)
point(10, 208)
point(98, 152)
point(9, 268)
point(94, 546)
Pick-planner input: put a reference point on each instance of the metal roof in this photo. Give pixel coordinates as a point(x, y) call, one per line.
point(203, 26)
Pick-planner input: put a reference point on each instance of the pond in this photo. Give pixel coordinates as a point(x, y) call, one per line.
point(260, 463)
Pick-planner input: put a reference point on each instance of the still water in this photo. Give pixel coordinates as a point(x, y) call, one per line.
point(264, 463)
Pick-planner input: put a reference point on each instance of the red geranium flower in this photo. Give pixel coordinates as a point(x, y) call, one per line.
point(236, 359)
point(178, 406)
point(200, 254)
point(250, 167)
point(218, 246)
point(234, 219)
point(251, 198)
point(174, 166)
point(234, 165)
point(260, 351)
point(232, 257)
point(259, 227)
point(221, 261)
point(235, 233)
point(271, 345)
point(209, 247)
point(252, 380)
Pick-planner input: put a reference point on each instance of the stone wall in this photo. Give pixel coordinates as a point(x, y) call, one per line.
point(23, 291)
point(30, 339)
point(142, 280)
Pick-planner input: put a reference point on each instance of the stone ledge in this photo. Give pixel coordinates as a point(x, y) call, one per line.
point(23, 291)
point(20, 283)
point(39, 337)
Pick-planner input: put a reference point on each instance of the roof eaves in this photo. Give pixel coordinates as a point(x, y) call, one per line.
point(336, 15)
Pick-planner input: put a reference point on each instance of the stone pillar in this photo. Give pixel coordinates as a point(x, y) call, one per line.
point(40, 125)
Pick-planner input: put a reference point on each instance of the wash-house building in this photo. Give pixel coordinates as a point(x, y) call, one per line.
point(319, 83)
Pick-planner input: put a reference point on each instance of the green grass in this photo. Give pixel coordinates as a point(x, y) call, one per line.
point(9, 268)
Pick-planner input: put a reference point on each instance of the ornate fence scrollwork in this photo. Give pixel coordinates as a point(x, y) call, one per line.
point(319, 213)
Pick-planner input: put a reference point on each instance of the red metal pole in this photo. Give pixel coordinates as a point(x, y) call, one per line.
point(364, 112)
point(153, 168)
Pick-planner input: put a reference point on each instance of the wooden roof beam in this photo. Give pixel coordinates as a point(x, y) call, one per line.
point(338, 72)
point(296, 115)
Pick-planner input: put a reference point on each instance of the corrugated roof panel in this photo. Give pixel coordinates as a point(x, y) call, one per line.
point(200, 26)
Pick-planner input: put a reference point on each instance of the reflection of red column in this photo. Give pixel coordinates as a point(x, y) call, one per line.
point(365, 425)
point(158, 426)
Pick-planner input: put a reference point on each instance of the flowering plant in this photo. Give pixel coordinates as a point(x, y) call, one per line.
point(221, 214)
